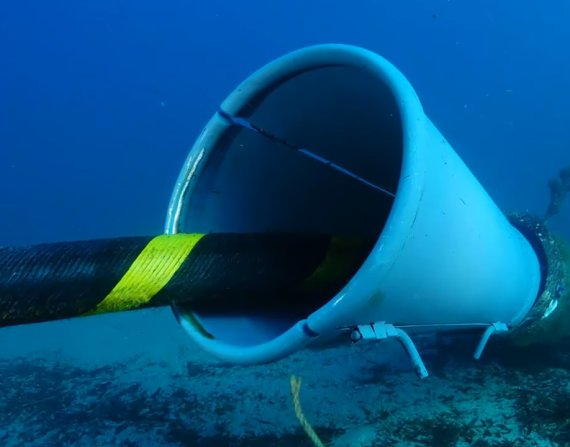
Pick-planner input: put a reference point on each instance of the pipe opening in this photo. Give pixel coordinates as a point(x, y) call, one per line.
point(317, 154)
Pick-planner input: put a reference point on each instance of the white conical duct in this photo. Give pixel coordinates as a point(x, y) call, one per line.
point(271, 159)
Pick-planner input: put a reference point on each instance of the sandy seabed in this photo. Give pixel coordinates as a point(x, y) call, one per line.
point(136, 380)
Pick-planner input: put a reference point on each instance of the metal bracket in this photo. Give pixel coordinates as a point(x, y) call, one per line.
point(494, 328)
point(382, 331)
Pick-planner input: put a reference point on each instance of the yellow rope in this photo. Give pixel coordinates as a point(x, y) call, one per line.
point(295, 388)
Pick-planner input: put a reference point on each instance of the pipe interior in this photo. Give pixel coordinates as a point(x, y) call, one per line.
point(254, 182)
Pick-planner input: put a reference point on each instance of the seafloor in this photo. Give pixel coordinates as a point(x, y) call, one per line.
point(135, 380)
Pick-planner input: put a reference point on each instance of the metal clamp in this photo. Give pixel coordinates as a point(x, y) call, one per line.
point(495, 327)
point(382, 331)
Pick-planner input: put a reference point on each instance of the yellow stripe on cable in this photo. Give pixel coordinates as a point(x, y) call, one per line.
point(150, 272)
point(335, 264)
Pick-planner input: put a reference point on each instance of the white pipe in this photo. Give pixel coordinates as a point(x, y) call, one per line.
point(446, 254)
point(410, 348)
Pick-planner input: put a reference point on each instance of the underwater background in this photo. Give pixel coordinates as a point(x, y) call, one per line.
point(100, 102)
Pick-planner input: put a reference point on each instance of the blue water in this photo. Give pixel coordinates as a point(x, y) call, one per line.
point(100, 102)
